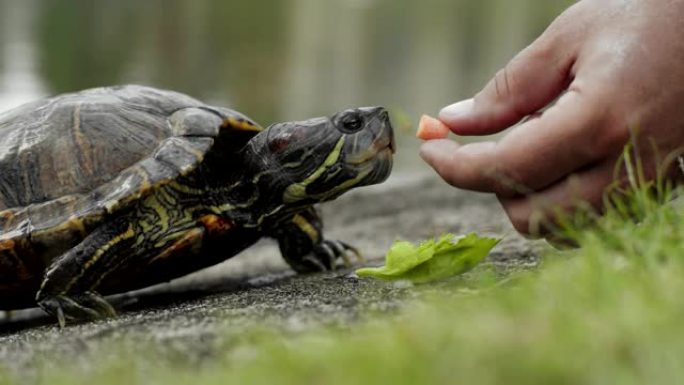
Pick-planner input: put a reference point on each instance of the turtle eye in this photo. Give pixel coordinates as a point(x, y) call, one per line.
point(351, 123)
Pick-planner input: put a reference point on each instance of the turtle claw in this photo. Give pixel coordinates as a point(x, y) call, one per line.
point(329, 251)
point(80, 307)
point(96, 302)
point(342, 250)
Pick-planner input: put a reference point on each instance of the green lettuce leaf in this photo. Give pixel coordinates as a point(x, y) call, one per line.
point(432, 260)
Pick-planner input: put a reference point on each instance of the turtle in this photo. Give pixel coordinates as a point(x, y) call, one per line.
point(112, 189)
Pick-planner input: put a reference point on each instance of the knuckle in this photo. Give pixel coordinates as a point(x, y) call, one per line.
point(447, 169)
point(506, 90)
point(524, 217)
point(613, 135)
point(519, 180)
point(609, 135)
point(510, 178)
point(543, 50)
point(502, 84)
point(501, 183)
point(595, 131)
point(498, 90)
point(570, 23)
point(522, 226)
point(520, 222)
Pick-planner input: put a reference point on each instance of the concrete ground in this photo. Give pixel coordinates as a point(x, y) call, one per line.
point(185, 315)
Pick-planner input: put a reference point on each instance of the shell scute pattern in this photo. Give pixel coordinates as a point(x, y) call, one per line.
point(69, 161)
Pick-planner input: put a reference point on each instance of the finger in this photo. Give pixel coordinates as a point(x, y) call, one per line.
point(535, 154)
point(529, 82)
point(542, 213)
point(452, 164)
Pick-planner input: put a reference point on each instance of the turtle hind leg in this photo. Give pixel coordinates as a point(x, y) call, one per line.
point(67, 288)
point(304, 248)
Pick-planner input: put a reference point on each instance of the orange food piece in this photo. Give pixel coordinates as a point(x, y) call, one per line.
point(430, 128)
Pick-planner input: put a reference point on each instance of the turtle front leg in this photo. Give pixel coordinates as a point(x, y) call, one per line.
point(123, 245)
point(67, 288)
point(304, 248)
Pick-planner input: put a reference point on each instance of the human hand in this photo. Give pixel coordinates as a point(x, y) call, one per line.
point(612, 67)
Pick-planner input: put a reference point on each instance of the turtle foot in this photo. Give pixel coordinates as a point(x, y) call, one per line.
point(328, 252)
point(80, 307)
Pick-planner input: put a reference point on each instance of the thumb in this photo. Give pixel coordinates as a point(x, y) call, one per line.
point(529, 82)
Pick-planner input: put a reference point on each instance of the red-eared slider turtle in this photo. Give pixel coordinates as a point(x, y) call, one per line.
point(112, 189)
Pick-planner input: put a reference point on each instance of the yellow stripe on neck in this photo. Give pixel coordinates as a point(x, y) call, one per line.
point(297, 191)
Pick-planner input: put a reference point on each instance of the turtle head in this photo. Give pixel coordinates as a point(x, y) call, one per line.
point(318, 159)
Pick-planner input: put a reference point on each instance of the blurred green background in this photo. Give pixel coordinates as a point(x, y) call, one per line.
point(271, 59)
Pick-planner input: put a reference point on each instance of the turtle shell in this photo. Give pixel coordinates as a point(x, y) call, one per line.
point(69, 161)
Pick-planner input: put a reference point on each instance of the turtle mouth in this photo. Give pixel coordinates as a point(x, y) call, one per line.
point(374, 163)
point(383, 145)
point(379, 146)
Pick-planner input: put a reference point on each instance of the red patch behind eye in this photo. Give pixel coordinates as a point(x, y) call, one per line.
point(280, 142)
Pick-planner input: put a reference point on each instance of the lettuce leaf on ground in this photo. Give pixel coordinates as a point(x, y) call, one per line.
point(431, 260)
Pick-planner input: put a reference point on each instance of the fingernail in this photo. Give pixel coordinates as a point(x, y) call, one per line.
point(457, 110)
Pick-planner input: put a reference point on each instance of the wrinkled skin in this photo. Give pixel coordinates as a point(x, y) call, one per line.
point(617, 69)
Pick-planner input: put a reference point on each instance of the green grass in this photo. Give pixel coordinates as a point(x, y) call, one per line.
point(610, 312)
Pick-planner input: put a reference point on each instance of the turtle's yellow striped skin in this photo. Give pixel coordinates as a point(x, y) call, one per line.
point(113, 189)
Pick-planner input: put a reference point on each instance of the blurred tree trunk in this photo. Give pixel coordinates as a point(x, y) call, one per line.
point(507, 30)
point(301, 65)
point(349, 53)
point(435, 74)
point(19, 82)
